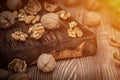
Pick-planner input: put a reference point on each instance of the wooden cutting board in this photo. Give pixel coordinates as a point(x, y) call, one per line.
point(52, 40)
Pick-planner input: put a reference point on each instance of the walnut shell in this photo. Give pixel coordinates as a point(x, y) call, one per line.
point(7, 19)
point(17, 65)
point(19, 76)
point(50, 21)
point(33, 7)
point(46, 63)
point(14, 4)
point(92, 19)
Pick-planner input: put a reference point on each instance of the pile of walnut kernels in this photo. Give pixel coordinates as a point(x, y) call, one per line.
point(29, 15)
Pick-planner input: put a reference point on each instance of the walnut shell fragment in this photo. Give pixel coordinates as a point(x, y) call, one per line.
point(114, 43)
point(63, 14)
point(33, 7)
point(17, 66)
point(7, 19)
point(46, 63)
point(50, 7)
point(36, 31)
point(20, 36)
point(116, 58)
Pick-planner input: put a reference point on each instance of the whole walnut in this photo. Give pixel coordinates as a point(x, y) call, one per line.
point(3, 74)
point(50, 21)
point(7, 19)
point(14, 4)
point(17, 66)
point(92, 19)
point(46, 63)
point(19, 76)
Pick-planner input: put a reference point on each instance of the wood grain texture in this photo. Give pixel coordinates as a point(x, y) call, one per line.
point(52, 40)
point(97, 67)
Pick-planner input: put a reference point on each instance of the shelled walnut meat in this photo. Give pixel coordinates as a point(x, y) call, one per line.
point(17, 66)
point(63, 14)
point(7, 19)
point(29, 19)
point(33, 7)
point(36, 31)
point(50, 21)
point(74, 32)
point(50, 7)
point(20, 36)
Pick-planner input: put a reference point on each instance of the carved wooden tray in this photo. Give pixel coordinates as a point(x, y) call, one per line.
point(52, 40)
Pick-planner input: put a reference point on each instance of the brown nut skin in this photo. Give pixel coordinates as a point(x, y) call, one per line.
point(14, 4)
point(17, 66)
point(19, 76)
point(50, 21)
point(7, 19)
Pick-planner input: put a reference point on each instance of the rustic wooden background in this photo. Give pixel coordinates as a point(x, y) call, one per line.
point(98, 67)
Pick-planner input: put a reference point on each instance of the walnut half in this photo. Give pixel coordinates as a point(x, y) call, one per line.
point(20, 36)
point(17, 65)
point(63, 14)
point(74, 32)
point(50, 7)
point(36, 31)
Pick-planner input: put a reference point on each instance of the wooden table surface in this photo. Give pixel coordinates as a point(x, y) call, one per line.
point(98, 67)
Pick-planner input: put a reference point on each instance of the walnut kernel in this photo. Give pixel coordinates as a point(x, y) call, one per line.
point(20, 36)
point(36, 31)
point(74, 32)
point(72, 24)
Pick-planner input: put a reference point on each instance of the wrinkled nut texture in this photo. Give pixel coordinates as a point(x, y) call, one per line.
point(74, 32)
point(33, 7)
point(72, 24)
point(46, 63)
point(20, 36)
point(7, 19)
point(63, 14)
point(50, 7)
point(17, 66)
point(36, 31)
point(50, 21)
